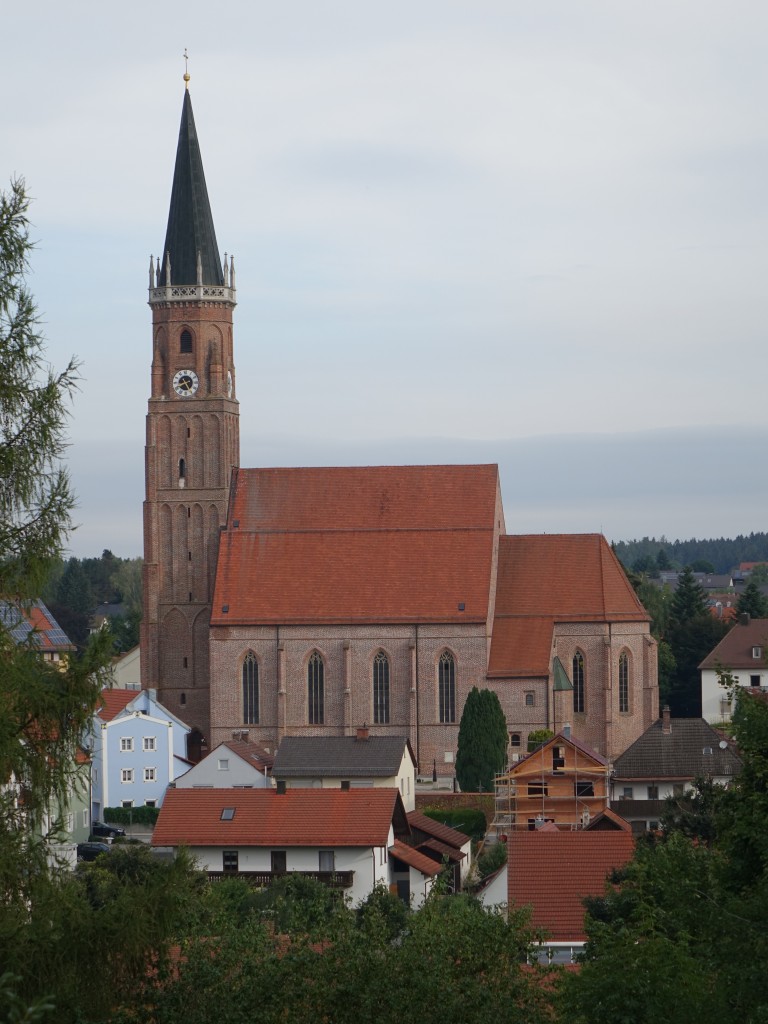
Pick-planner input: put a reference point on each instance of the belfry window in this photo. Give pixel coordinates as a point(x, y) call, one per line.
point(185, 342)
point(316, 690)
point(381, 689)
point(446, 688)
point(250, 689)
point(182, 469)
point(578, 682)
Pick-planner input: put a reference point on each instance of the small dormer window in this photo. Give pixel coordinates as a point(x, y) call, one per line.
point(757, 652)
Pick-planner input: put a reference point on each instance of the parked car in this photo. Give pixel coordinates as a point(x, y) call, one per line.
point(99, 828)
point(90, 851)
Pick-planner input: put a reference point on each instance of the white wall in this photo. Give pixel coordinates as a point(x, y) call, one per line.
point(714, 698)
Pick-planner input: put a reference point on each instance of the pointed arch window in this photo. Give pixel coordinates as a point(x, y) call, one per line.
point(578, 682)
point(624, 681)
point(316, 690)
point(446, 688)
point(185, 342)
point(250, 689)
point(381, 689)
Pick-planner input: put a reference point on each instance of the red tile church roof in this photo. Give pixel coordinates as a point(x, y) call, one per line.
point(548, 578)
point(359, 544)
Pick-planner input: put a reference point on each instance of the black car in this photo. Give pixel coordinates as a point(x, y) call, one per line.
point(90, 851)
point(109, 831)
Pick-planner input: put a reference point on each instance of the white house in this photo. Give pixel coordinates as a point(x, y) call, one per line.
point(361, 761)
point(237, 763)
point(351, 839)
point(137, 747)
point(742, 652)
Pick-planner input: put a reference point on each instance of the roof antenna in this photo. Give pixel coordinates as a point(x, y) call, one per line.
point(186, 68)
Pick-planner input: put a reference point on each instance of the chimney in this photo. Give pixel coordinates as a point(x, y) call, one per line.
point(666, 722)
point(281, 787)
point(744, 619)
point(362, 732)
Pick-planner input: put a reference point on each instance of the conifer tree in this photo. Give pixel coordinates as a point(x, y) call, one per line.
point(482, 749)
point(752, 602)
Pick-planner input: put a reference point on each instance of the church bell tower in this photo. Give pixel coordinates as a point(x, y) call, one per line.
point(192, 442)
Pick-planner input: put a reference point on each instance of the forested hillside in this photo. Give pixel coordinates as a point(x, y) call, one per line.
point(722, 554)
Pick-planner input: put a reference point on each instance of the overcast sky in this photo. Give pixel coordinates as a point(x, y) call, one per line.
point(531, 233)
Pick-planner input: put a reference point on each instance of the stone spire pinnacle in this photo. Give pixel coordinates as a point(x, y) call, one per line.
point(190, 235)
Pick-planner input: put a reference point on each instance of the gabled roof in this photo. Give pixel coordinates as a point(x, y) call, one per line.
point(264, 817)
point(550, 578)
point(557, 741)
point(735, 649)
point(609, 820)
point(340, 756)
point(358, 544)
point(442, 850)
point(553, 872)
point(414, 859)
point(450, 836)
point(252, 753)
point(690, 748)
point(34, 623)
point(112, 702)
point(190, 222)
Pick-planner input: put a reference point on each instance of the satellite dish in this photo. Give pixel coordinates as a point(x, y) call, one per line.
point(723, 744)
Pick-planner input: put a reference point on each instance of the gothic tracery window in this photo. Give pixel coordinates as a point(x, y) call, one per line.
point(250, 689)
point(446, 688)
point(578, 682)
point(316, 690)
point(381, 689)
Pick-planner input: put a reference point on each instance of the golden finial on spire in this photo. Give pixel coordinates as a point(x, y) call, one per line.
point(186, 68)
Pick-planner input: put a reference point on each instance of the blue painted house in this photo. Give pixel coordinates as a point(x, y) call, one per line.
point(137, 748)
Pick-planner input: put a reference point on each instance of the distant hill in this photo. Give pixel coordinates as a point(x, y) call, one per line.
point(722, 554)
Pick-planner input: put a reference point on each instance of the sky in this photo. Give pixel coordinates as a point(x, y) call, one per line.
point(528, 233)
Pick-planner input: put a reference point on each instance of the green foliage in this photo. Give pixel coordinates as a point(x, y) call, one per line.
point(383, 914)
point(752, 601)
point(537, 737)
point(721, 553)
point(470, 821)
point(483, 739)
point(297, 905)
point(689, 600)
point(657, 601)
point(13, 1009)
point(491, 859)
point(694, 814)
point(36, 501)
point(131, 815)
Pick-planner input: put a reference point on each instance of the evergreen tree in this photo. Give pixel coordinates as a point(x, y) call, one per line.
point(691, 634)
point(482, 748)
point(752, 602)
point(689, 600)
point(44, 707)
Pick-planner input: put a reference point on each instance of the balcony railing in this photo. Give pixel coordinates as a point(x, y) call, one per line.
point(261, 879)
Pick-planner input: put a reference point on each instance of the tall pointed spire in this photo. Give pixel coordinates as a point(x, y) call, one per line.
point(190, 222)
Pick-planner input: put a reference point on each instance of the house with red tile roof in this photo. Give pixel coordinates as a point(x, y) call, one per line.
point(352, 839)
point(309, 601)
point(551, 872)
point(32, 623)
point(743, 652)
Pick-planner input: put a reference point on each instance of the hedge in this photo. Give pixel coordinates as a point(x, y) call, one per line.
point(131, 815)
point(467, 820)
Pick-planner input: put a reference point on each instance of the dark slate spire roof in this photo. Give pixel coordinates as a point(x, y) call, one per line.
point(190, 222)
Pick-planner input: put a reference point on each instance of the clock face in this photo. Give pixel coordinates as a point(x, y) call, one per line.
point(185, 383)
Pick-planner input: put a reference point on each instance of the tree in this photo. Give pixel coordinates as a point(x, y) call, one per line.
point(36, 500)
point(689, 599)
point(44, 707)
point(752, 602)
point(483, 739)
point(692, 632)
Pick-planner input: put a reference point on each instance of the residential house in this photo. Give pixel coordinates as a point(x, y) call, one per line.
point(137, 748)
point(126, 670)
point(351, 839)
point(33, 623)
point(563, 781)
point(664, 762)
point(552, 871)
point(444, 845)
point(361, 761)
point(234, 764)
point(742, 653)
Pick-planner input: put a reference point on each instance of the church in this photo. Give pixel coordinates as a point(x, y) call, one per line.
point(313, 601)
